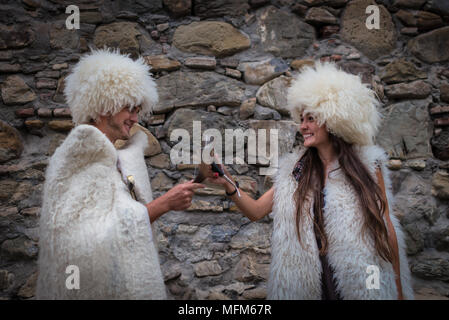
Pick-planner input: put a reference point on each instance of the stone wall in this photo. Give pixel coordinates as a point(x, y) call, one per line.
point(228, 64)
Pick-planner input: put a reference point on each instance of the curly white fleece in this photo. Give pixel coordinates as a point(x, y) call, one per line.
point(89, 220)
point(338, 99)
point(103, 82)
point(295, 271)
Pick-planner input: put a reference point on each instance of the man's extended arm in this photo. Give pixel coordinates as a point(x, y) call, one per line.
point(177, 198)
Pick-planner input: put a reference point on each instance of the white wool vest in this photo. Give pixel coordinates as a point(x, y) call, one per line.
point(295, 271)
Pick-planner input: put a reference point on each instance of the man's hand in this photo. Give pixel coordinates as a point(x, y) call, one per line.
point(180, 196)
point(177, 198)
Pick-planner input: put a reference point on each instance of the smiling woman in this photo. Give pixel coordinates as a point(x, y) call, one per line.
point(331, 221)
point(314, 135)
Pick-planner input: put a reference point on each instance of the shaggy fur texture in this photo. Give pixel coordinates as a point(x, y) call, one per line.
point(103, 82)
point(89, 220)
point(339, 99)
point(295, 271)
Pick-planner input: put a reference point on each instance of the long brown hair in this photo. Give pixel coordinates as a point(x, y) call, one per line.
point(369, 193)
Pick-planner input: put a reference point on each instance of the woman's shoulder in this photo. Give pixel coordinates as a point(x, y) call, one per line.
point(372, 155)
point(288, 161)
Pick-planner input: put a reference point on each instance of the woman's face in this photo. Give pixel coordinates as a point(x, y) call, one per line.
point(314, 136)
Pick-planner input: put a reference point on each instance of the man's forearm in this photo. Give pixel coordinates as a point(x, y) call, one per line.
point(157, 208)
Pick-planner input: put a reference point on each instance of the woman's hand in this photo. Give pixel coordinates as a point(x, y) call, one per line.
point(213, 177)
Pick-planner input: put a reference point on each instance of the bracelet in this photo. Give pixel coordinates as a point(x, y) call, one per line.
point(233, 192)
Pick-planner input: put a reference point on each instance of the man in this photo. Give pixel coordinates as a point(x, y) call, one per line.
point(96, 240)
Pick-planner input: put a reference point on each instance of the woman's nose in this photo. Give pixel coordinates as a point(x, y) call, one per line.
point(133, 116)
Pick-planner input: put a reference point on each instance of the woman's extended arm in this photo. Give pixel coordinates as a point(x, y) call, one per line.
point(253, 209)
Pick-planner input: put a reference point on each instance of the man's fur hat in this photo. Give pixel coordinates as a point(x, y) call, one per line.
point(104, 82)
point(338, 99)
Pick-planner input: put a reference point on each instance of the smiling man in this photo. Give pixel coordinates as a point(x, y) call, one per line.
point(96, 240)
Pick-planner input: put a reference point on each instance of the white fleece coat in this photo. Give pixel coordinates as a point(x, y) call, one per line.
point(90, 220)
point(295, 271)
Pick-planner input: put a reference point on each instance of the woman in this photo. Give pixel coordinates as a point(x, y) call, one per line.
point(333, 236)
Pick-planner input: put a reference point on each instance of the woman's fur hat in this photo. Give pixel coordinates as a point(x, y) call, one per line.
point(338, 99)
point(104, 82)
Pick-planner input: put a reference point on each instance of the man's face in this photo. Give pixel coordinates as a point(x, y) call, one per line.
point(119, 125)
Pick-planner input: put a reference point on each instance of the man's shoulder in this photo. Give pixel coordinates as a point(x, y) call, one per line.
point(83, 146)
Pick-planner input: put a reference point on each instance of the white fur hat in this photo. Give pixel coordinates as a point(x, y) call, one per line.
point(104, 82)
point(338, 99)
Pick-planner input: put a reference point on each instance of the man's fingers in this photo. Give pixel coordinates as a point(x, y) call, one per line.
point(191, 186)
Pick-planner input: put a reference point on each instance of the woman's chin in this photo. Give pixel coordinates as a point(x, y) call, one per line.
point(308, 144)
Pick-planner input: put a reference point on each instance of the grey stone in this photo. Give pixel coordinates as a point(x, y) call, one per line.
point(401, 70)
point(91, 17)
point(248, 269)
point(263, 113)
point(227, 111)
point(440, 185)
point(414, 203)
point(405, 131)
point(414, 90)
point(179, 8)
point(210, 38)
point(273, 94)
point(11, 145)
point(19, 248)
point(15, 36)
point(432, 46)
point(6, 280)
point(366, 71)
point(257, 73)
point(444, 92)
point(439, 6)
point(29, 288)
point(194, 89)
point(320, 16)
point(160, 161)
point(122, 35)
point(440, 145)
point(236, 74)
point(253, 236)
point(218, 8)
point(414, 239)
point(441, 236)
point(412, 4)
point(284, 34)
point(375, 42)
point(162, 63)
point(207, 63)
point(16, 91)
point(431, 268)
point(247, 108)
point(427, 20)
point(332, 3)
point(161, 182)
point(140, 6)
point(9, 68)
point(63, 38)
point(171, 272)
